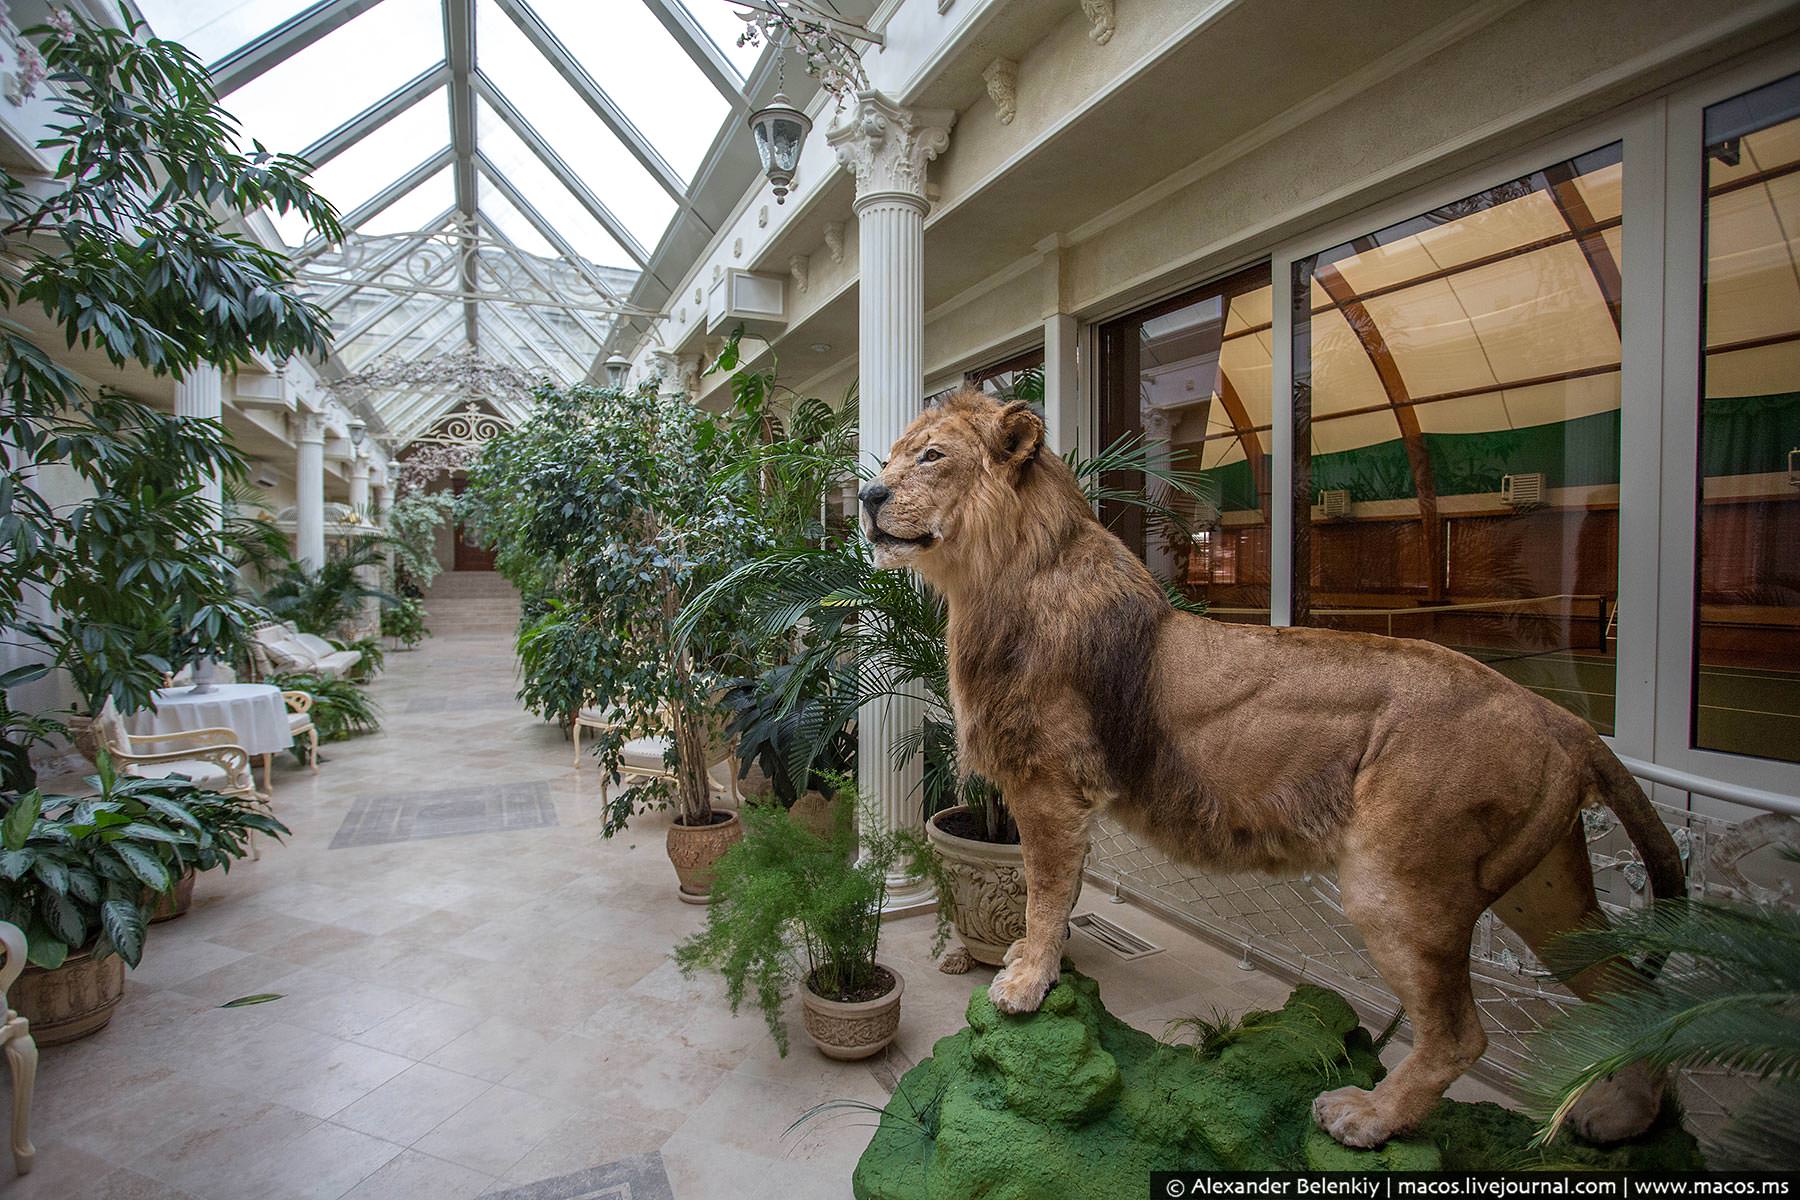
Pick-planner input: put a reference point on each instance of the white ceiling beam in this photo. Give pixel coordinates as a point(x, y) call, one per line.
point(387, 258)
point(459, 53)
point(545, 229)
point(499, 313)
point(393, 191)
point(718, 69)
point(516, 121)
point(595, 97)
point(530, 267)
point(375, 116)
point(382, 348)
point(282, 42)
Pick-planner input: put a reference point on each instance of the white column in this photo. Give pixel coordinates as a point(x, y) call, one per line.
point(886, 148)
point(1062, 385)
point(309, 490)
point(359, 483)
point(200, 395)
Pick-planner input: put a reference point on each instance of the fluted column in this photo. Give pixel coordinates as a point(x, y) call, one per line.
point(200, 395)
point(309, 490)
point(886, 148)
point(359, 483)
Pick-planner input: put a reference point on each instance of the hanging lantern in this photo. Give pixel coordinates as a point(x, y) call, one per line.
point(780, 131)
point(618, 368)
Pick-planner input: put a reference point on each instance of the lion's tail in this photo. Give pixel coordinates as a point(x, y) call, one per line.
point(1619, 791)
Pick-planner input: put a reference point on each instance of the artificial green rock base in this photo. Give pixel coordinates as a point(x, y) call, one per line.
point(1071, 1101)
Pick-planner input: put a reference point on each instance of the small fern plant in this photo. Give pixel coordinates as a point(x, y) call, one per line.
point(1728, 996)
point(790, 906)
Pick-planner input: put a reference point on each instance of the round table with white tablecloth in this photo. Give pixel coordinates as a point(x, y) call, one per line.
point(254, 711)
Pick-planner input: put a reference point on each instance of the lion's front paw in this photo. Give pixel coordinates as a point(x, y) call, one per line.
point(1019, 989)
point(1619, 1107)
point(1012, 952)
point(1353, 1117)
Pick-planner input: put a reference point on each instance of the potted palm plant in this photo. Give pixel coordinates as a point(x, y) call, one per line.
point(792, 907)
point(81, 877)
point(874, 634)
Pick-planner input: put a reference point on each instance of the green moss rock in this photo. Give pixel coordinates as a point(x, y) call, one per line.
point(1071, 1101)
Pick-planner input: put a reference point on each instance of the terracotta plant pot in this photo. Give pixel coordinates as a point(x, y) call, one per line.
point(76, 999)
point(987, 886)
point(850, 1030)
point(816, 813)
point(696, 850)
point(173, 903)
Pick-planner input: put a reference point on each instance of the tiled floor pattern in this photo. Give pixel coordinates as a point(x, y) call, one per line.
point(478, 999)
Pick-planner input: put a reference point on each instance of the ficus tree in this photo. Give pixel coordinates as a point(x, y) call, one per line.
point(129, 251)
point(603, 509)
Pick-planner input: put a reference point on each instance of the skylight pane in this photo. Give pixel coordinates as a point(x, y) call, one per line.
point(722, 24)
point(214, 28)
point(419, 133)
point(546, 193)
point(415, 210)
point(512, 224)
point(301, 99)
point(657, 85)
point(563, 119)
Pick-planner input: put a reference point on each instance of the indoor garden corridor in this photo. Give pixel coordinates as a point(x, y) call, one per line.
point(476, 995)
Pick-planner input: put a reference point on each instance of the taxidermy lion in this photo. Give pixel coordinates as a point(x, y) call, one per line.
point(1434, 786)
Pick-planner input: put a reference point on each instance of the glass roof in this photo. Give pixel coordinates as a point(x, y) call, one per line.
point(504, 168)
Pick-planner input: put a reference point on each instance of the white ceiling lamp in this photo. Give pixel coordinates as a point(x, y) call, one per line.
point(618, 367)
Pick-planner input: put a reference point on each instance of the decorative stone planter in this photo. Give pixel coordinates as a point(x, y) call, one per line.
point(696, 851)
point(850, 1030)
point(76, 999)
point(987, 886)
point(173, 903)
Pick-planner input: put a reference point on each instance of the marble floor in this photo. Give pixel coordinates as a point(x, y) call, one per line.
point(477, 997)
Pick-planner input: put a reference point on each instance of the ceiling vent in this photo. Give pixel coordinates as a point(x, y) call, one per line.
point(1525, 490)
point(1335, 502)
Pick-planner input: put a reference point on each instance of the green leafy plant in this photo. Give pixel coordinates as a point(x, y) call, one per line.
point(19, 731)
point(870, 634)
point(340, 709)
point(789, 906)
point(127, 252)
point(603, 511)
point(374, 658)
point(1728, 995)
point(330, 598)
point(83, 873)
point(403, 619)
point(412, 527)
point(782, 736)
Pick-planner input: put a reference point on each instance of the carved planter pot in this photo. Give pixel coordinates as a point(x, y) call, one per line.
point(696, 850)
point(76, 999)
point(853, 1029)
point(987, 886)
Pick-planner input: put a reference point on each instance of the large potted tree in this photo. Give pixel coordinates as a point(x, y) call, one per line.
point(137, 263)
point(603, 512)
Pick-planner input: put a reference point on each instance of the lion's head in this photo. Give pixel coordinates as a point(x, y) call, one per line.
point(953, 475)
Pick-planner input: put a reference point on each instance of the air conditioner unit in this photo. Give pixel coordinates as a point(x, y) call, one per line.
point(1335, 502)
point(739, 297)
point(1525, 490)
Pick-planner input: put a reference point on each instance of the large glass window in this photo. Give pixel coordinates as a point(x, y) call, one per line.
point(1456, 408)
point(1192, 374)
point(1747, 612)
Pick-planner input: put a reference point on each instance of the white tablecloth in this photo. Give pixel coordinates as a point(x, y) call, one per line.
point(254, 711)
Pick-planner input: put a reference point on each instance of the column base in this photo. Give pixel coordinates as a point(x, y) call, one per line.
point(909, 899)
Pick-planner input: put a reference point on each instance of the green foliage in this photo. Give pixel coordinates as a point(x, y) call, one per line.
point(330, 599)
point(403, 619)
point(340, 709)
point(127, 251)
point(791, 906)
point(603, 511)
point(412, 526)
point(794, 741)
point(374, 657)
point(1728, 996)
point(854, 635)
point(84, 872)
point(19, 731)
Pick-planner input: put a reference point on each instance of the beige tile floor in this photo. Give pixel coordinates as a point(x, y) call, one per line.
point(472, 1013)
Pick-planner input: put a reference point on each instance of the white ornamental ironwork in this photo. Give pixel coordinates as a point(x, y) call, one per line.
point(465, 372)
point(469, 428)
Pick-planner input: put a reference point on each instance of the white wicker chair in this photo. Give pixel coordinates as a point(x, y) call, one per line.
point(21, 1051)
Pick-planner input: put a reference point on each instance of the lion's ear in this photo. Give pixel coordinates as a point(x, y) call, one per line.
point(1019, 434)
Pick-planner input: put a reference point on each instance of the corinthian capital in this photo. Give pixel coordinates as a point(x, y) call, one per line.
point(886, 147)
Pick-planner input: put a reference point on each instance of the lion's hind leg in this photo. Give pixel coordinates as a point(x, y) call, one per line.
point(1418, 936)
point(1554, 898)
